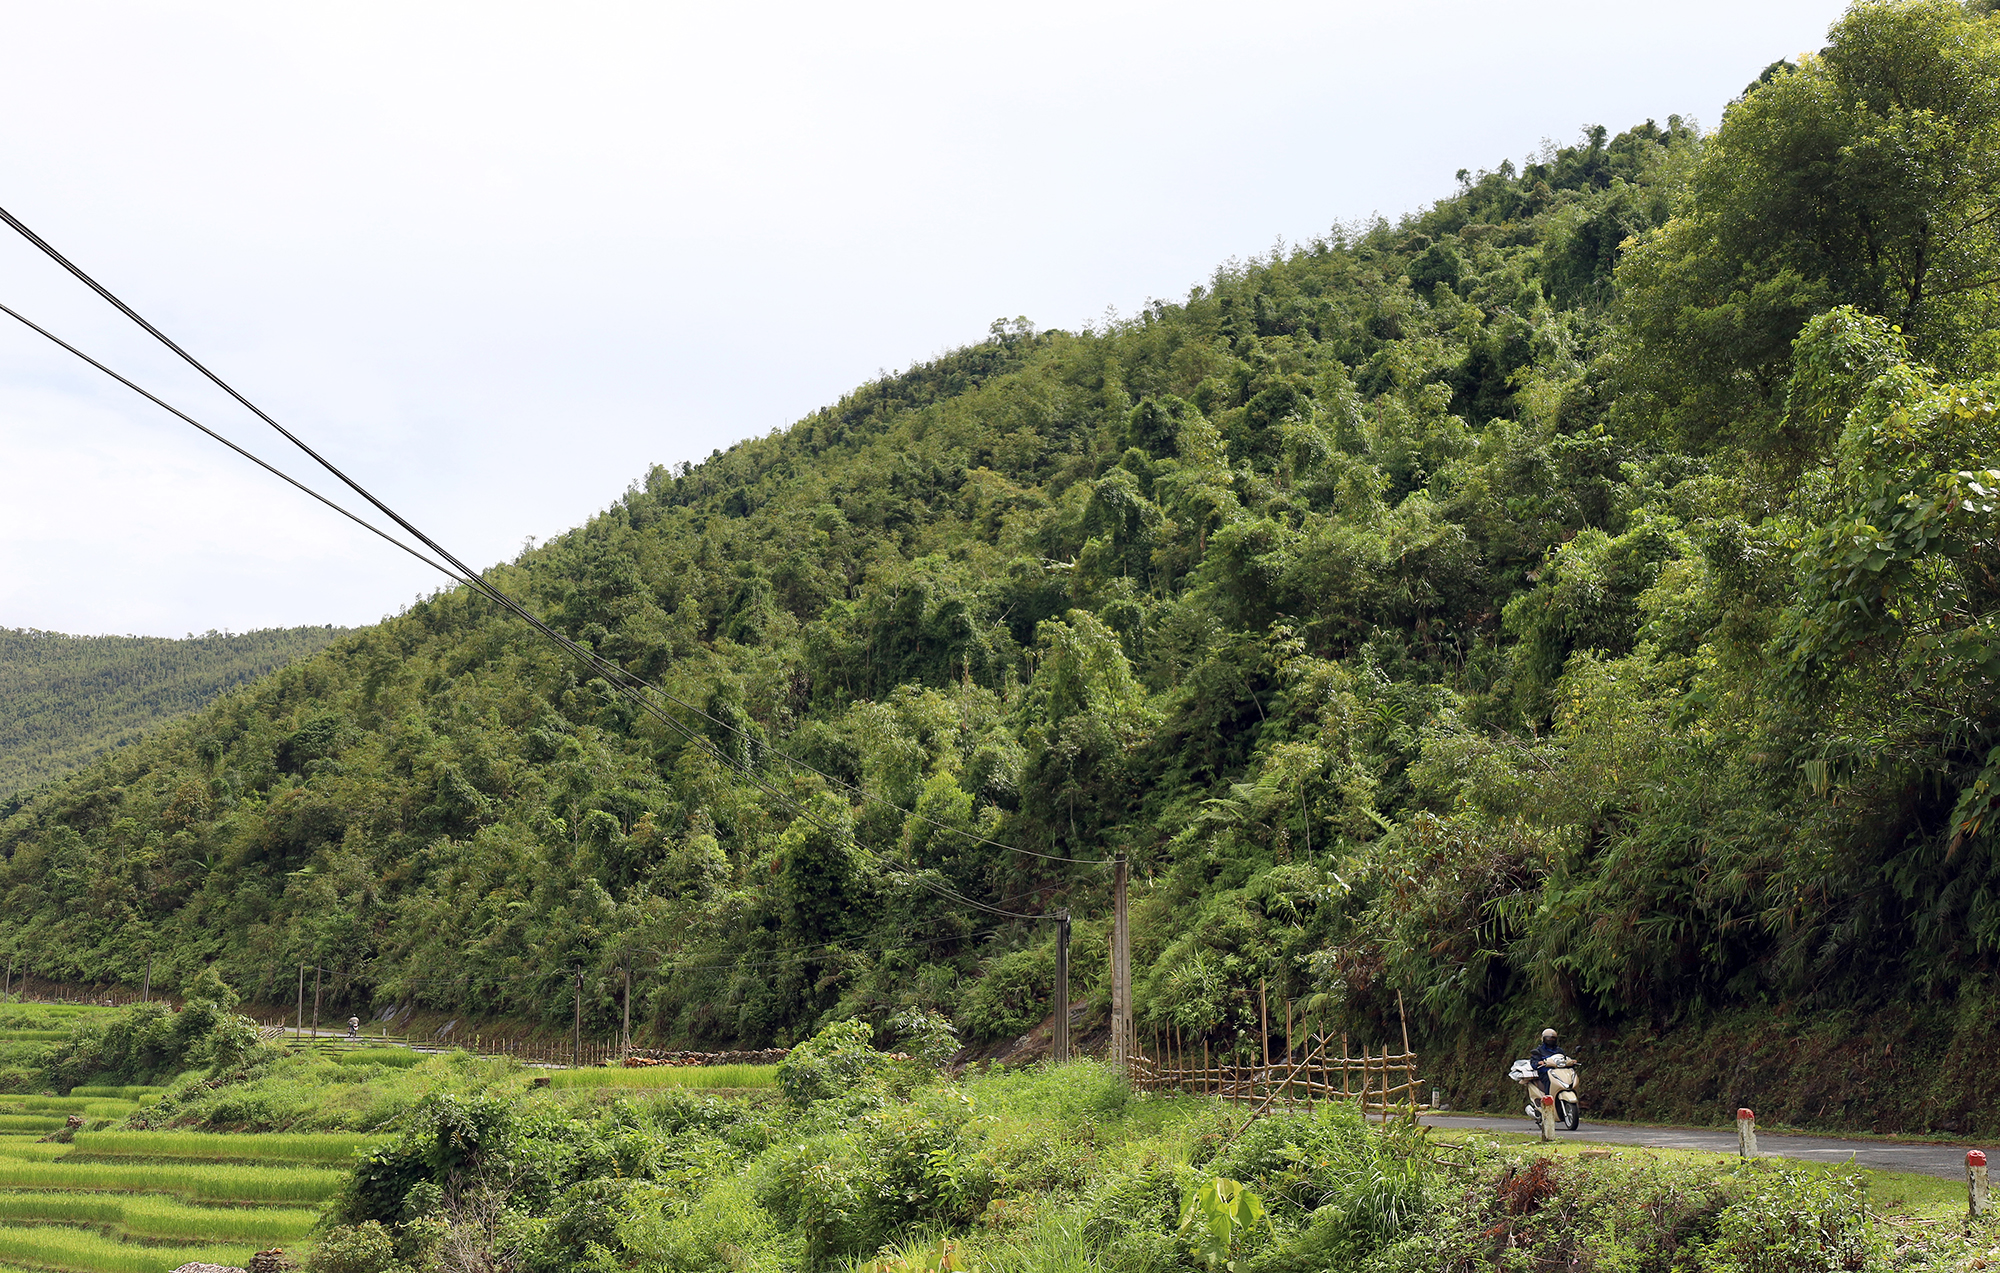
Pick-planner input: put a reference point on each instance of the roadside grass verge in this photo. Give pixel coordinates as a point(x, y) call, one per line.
point(1907, 1195)
point(662, 1076)
point(327, 1148)
point(87, 1252)
point(160, 1219)
point(196, 1183)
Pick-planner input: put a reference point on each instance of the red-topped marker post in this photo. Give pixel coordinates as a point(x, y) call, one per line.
point(1975, 1183)
point(1746, 1133)
point(1548, 1119)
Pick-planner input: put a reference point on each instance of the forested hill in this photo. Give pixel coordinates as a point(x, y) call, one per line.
point(1575, 602)
point(66, 700)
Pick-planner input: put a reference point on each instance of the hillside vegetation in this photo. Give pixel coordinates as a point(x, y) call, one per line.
point(66, 700)
point(1572, 604)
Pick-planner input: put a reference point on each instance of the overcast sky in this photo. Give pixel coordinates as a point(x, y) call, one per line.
point(497, 259)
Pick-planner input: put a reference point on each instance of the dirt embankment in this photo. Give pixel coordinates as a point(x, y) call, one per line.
point(1902, 1070)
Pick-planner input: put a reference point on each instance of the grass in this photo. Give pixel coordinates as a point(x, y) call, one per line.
point(203, 1183)
point(135, 1093)
point(87, 1252)
point(160, 1219)
point(657, 1076)
point(28, 1148)
point(32, 1036)
point(330, 1148)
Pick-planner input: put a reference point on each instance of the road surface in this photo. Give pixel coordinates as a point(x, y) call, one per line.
point(1947, 1161)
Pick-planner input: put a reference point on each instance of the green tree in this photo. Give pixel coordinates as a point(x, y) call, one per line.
point(1869, 175)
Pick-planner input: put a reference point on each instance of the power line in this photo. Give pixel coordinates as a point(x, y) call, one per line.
point(280, 474)
point(615, 675)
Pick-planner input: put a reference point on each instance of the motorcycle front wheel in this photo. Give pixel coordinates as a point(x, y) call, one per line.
point(1572, 1115)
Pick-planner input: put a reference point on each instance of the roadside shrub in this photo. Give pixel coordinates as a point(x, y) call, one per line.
point(1010, 995)
point(836, 1062)
point(362, 1248)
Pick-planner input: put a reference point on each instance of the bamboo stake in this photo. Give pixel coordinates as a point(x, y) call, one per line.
point(1264, 1017)
point(1409, 1058)
point(1343, 1065)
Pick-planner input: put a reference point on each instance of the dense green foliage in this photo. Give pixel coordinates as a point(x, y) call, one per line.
point(1058, 1169)
point(66, 700)
point(1575, 599)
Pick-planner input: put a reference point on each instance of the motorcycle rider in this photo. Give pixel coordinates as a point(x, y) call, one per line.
point(1540, 1057)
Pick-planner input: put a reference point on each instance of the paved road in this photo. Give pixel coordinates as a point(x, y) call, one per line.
point(1930, 1160)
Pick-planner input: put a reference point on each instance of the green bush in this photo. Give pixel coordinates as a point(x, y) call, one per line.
point(362, 1248)
point(836, 1062)
point(149, 1042)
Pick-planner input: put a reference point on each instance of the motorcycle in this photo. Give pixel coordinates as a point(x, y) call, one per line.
point(1561, 1074)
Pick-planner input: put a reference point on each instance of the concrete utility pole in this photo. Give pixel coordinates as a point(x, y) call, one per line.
point(1121, 967)
point(576, 1043)
point(316, 971)
point(1059, 1045)
point(301, 1028)
point(626, 1040)
point(146, 995)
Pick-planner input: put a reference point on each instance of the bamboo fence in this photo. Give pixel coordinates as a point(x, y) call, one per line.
point(1383, 1083)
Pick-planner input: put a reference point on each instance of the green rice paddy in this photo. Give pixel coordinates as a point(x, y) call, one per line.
point(400, 1058)
point(88, 1251)
point(658, 1076)
point(159, 1219)
point(327, 1148)
point(193, 1182)
point(118, 1201)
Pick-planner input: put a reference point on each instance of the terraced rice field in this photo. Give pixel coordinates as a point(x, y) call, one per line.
point(657, 1076)
point(111, 1200)
point(143, 1202)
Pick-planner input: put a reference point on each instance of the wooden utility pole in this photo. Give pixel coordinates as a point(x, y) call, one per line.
point(300, 1029)
point(1059, 1045)
point(576, 1042)
point(1121, 966)
point(626, 1039)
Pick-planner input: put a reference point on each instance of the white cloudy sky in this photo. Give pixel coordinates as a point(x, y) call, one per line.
point(498, 258)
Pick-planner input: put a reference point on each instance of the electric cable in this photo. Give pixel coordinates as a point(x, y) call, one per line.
point(272, 469)
point(620, 678)
point(477, 579)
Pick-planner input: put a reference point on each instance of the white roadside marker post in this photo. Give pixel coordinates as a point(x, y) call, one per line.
point(1548, 1117)
point(1746, 1133)
point(1976, 1203)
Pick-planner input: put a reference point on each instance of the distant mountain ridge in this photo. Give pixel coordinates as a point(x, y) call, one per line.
point(66, 700)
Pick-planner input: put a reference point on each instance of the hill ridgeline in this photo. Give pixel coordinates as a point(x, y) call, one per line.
point(1573, 604)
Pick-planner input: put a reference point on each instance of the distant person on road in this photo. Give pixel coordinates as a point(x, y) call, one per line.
point(354, 1027)
point(1540, 1056)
